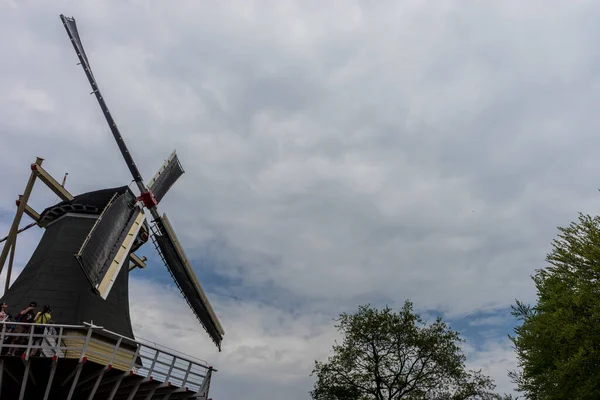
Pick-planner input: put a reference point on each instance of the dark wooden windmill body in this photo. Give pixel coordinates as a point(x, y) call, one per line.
point(81, 268)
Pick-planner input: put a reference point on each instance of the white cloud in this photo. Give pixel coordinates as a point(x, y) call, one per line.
point(493, 320)
point(265, 345)
point(495, 358)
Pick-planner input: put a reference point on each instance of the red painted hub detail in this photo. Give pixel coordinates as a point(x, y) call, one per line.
point(148, 199)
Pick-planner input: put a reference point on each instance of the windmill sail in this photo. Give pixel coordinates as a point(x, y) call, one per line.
point(166, 176)
point(71, 28)
point(106, 249)
point(183, 275)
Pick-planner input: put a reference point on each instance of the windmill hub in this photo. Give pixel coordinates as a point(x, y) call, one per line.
point(148, 199)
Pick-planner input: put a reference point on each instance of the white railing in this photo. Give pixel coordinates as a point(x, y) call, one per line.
point(92, 342)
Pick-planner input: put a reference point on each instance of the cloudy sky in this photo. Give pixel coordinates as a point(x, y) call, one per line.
point(336, 153)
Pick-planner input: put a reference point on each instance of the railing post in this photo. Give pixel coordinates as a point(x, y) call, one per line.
point(151, 369)
point(59, 341)
point(170, 369)
point(187, 373)
point(114, 353)
point(135, 356)
point(85, 343)
point(203, 390)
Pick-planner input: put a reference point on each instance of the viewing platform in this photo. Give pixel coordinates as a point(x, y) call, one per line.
point(89, 362)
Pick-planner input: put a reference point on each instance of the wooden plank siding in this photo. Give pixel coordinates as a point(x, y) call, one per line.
point(99, 350)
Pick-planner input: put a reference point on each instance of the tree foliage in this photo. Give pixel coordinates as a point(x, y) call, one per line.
point(387, 355)
point(558, 339)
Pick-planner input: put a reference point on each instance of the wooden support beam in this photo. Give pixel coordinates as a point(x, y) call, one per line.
point(10, 374)
point(134, 390)
point(97, 383)
point(31, 377)
point(11, 260)
point(52, 183)
point(70, 376)
point(151, 393)
point(75, 380)
point(91, 377)
point(51, 377)
point(20, 210)
point(31, 213)
point(34, 215)
point(25, 380)
point(22, 207)
point(113, 392)
point(136, 261)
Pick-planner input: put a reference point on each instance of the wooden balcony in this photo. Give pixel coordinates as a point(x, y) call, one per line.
point(87, 362)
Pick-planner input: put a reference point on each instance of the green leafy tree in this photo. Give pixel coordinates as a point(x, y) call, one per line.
point(387, 355)
point(558, 339)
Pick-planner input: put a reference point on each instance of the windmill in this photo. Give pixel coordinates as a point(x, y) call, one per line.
point(99, 264)
point(81, 267)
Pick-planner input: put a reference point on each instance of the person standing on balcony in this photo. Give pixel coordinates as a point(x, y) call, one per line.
point(4, 315)
point(43, 317)
point(27, 315)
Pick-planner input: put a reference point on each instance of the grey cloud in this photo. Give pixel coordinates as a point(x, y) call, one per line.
point(335, 154)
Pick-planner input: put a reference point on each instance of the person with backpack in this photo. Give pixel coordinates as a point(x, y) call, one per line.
point(43, 317)
point(28, 314)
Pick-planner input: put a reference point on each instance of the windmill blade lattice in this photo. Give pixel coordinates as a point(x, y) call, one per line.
point(166, 176)
point(174, 258)
point(106, 248)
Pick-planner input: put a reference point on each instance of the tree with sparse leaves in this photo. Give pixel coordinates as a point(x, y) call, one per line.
point(387, 355)
point(558, 339)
